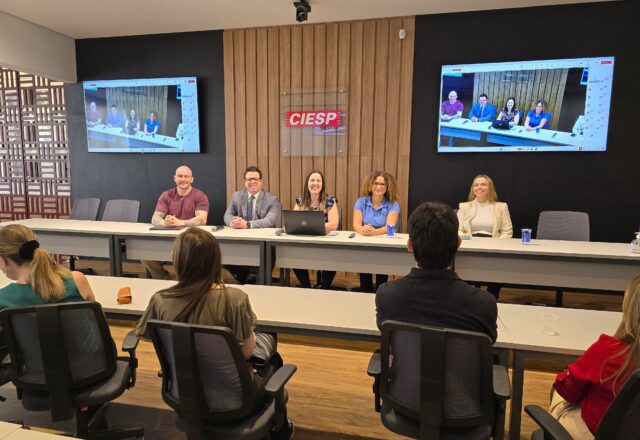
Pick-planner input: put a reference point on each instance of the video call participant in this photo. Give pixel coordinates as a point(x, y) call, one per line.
point(585, 390)
point(202, 298)
point(132, 123)
point(451, 108)
point(316, 199)
point(94, 116)
point(538, 117)
point(510, 112)
point(151, 124)
point(181, 206)
point(251, 208)
point(38, 279)
point(432, 293)
point(482, 111)
point(376, 208)
point(115, 119)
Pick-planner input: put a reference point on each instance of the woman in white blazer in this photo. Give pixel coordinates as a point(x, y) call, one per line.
point(483, 215)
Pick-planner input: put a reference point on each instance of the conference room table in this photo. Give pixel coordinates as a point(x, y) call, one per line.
point(11, 431)
point(105, 138)
point(515, 136)
point(351, 315)
point(551, 263)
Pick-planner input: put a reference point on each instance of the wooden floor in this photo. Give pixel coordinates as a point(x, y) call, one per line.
point(330, 395)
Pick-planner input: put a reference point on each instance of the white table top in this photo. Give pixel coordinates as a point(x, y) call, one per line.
point(7, 429)
point(560, 248)
point(519, 326)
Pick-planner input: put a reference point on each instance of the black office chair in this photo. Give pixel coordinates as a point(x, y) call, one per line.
point(84, 208)
point(63, 360)
point(438, 383)
point(620, 422)
point(563, 225)
point(206, 380)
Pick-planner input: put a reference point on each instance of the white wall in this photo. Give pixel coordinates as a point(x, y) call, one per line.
point(31, 48)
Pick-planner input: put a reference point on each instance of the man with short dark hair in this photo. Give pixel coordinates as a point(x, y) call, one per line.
point(482, 111)
point(432, 293)
point(114, 118)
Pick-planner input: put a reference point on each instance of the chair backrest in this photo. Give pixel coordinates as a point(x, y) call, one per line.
point(205, 378)
point(563, 225)
point(622, 419)
point(56, 349)
point(121, 211)
point(441, 378)
point(85, 208)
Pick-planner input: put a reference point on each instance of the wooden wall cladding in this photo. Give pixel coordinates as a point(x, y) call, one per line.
point(34, 154)
point(367, 59)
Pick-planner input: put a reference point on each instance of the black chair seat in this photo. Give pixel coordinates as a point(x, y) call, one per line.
point(108, 390)
point(396, 422)
point(256, 426)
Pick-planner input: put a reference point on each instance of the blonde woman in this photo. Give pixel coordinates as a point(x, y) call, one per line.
point(584, 391)
point(376, 208)
point(38, 279)
point(483, 215)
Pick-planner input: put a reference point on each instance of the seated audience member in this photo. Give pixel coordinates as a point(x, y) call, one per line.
point(115, 119)
point(38, 279)
point(252, 208)
point(451, 108)
point(376, 208)
point(482, 111)
point(151, 124)
point(132, 123)
point(584, 391)
point(200, 297)
point(538, 117)
point(94, 116)
point(315, 199)
point(510, 112)
point(432, 293)
point(181, 206)
point(483, 215)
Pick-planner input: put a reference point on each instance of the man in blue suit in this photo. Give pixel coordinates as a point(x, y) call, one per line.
point(482, 111)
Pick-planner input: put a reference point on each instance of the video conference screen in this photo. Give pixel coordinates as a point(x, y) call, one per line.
point(525, 106)
point(158, 115)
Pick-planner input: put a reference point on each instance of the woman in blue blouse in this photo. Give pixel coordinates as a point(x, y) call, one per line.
point(376, 208)
point(316, 199)
point(38, 279)
point(151, 124)
point(538, 118)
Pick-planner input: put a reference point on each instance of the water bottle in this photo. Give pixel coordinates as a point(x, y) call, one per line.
point(635, 244)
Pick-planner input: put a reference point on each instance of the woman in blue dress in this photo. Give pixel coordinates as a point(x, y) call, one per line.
point(538, 118)
point(376, 208)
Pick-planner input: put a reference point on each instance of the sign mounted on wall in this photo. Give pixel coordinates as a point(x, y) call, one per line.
point(318, 118)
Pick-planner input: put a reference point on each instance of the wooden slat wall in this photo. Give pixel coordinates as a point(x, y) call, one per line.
point(547, 84)
point(365, 58)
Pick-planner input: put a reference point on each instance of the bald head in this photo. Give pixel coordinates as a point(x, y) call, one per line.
point(183, 179)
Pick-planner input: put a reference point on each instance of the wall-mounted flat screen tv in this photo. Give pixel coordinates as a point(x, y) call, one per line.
point(524, 106)
point(158, 115)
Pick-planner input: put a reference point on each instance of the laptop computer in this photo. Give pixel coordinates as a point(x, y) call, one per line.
point(304, 222)
point(501, 124)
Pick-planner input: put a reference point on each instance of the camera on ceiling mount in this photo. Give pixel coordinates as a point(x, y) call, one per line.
point(302, 10)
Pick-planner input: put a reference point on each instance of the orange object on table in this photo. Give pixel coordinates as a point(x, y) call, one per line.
point(124, 295)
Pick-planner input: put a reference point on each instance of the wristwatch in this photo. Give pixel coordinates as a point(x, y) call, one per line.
point(249, 225)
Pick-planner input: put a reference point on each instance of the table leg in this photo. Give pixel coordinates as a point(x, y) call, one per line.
point(517, 381)
point(267, 267)
point(115, 256)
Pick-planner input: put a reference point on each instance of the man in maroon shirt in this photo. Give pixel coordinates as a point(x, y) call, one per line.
point(177, 207)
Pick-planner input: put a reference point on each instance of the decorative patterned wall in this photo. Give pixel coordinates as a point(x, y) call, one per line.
point(34, 153)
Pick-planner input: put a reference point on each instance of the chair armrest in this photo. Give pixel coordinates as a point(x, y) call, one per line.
point(130, 342)
point(277, 382)
point(501, 384)
point(373, 369)
point(552, 428)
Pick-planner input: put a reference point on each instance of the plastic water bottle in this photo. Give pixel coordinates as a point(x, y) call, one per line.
point(635, 244)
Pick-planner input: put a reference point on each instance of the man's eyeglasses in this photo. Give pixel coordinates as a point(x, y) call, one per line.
point(253, 179)
point(183, 176)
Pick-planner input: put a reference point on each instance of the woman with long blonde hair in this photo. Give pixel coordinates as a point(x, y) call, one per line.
point(584, 391)
point(38, 279)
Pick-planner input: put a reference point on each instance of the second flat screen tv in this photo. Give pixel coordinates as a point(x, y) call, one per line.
point(525, 106)
point(157, 115)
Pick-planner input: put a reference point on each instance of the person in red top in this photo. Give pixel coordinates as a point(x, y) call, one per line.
point(178, 207)
point(584, 391)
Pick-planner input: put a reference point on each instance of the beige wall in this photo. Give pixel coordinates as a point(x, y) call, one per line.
point(367, 59)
